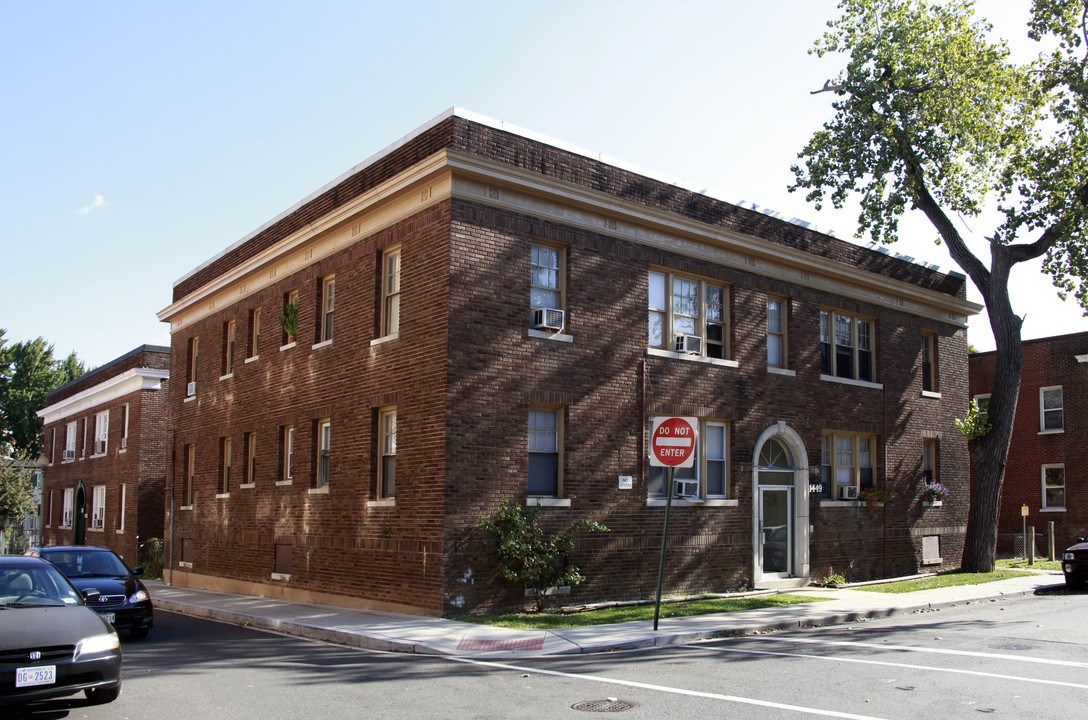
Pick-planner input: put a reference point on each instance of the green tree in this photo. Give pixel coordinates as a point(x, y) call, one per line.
point(28, 373)
point(931, 114)
point(530, 556)
point(16, 491)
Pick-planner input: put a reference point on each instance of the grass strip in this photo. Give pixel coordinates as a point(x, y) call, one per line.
point(628, 613)
point(941, 581)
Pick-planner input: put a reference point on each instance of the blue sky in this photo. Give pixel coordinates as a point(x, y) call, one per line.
point(140, 139)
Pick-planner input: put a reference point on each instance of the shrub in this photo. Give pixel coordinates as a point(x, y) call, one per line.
point(530, 556)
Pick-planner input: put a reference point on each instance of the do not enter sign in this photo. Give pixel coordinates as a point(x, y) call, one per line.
point(672, 441)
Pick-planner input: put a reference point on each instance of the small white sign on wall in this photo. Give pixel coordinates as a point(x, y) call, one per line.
point(627, 482)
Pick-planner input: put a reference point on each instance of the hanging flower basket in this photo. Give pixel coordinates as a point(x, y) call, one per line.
point(873, 497)
point(934, 492)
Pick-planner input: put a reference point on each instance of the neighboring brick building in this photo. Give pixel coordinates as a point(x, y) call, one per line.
point(1047, 467)
point(509, 316)
point(108, 447)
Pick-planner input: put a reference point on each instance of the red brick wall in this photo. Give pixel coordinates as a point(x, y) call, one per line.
point(140, 466)
point(1047, 362)
point(340, 545)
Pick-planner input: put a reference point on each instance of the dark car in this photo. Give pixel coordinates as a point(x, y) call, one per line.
point(50, 643)
point(122, 599)
point(1075, 564)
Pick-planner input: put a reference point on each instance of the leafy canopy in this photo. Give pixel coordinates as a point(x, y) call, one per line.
point(929, 105)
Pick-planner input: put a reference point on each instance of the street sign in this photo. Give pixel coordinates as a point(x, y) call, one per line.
point(672, 441)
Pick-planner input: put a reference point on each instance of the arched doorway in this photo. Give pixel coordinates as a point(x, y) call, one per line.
point(780, 508)
point(79, 521)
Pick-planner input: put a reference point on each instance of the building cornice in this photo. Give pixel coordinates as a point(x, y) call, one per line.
point(448, 174)
point(116, 387)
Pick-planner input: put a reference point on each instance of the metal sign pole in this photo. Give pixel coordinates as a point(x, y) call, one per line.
point(664, 543)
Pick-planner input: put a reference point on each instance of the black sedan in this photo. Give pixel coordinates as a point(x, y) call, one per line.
point(51, 645)
point(1075, 564)
point(121, 598)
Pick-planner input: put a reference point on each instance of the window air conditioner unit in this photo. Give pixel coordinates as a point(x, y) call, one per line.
point(190, 389)
point(69, 454)
point(124, 443)
point(848, 492)
point(99, 447)
point(548, 319)
point(690, 344)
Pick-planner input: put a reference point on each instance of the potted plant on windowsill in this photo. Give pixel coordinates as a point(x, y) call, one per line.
point(933, 494)
point(288, 320)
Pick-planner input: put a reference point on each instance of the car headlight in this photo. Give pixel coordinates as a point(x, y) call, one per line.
point(1068, 556)
point(138, 596)
point(97, 644)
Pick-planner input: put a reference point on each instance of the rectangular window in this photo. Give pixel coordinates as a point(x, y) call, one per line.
point(387, 453)
point(101, 431)
point(983, 403)
point(929, 460)
point(390, 292)
point(288, 318)
point(544, 451)
point(327, 305)
point(86, 423)
point(846, 464)
point(688, 315)
point(190, 365)
point(229, 328)
point(546, 278)
point(846, 346)
point(124, 426)
point(224, 465)
point(70, 441)
point(929, 364)
point(287, 440)
point(190, 474)
point(324, 446)
point(122, 497)
point(709, 476)
point(776, 333)
point(69, 507)
point(52, 445)
point(1050, 409)
point(251, 458)
point(1054, 486)
point(253, 347)
point(98, 507)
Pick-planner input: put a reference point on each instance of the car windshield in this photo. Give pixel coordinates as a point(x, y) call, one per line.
point(86, 563)
point(34, 586)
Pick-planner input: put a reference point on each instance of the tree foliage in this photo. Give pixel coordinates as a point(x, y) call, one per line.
point(932, 114)
point(28, 373)
point(16, 489)
point(529, 555)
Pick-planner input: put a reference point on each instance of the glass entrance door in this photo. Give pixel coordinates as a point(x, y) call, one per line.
point(775, 530)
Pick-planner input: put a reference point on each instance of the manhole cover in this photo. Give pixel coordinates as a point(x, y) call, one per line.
point(607, 705)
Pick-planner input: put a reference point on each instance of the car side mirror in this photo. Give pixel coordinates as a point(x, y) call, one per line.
point(137, 571)
point(90, 595)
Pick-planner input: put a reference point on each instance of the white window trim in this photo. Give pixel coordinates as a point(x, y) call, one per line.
point(560, 441)
point(326, 338)
point(386, 331)
point(383, 414)
point(855, 338)
point(101, 433)
point(121, 520)
point(668, 331)
point(98, 509)
point(1043, 507)
point(1042, 412)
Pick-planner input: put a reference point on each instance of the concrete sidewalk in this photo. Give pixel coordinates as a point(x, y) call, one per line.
point(414, 634)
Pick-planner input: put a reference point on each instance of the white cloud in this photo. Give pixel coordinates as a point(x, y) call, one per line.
point(96, 204)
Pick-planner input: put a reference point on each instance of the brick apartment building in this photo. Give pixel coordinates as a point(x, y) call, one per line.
point(1047, 468)
point(487, 317)
point(107, 445)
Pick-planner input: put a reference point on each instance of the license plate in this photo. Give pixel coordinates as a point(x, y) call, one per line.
point(31, 676)
point(110, 617)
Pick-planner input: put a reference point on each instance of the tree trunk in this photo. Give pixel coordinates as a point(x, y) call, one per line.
point(990, 452)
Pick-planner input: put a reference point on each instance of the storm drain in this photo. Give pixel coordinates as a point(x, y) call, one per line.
point(606, 705)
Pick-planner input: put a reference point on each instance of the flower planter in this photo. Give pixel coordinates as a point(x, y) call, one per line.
point(932, 503)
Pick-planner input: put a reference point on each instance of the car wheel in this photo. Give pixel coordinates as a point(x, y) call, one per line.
point(138, 633)
point(101, 696)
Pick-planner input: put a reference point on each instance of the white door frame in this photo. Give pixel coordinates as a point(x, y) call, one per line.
point(799, 563)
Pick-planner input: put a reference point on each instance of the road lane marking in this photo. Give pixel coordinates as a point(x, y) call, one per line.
point(936, 651)
point(662, 688)
point(906, 666)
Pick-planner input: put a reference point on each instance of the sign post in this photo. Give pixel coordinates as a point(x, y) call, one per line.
point(672, 444)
